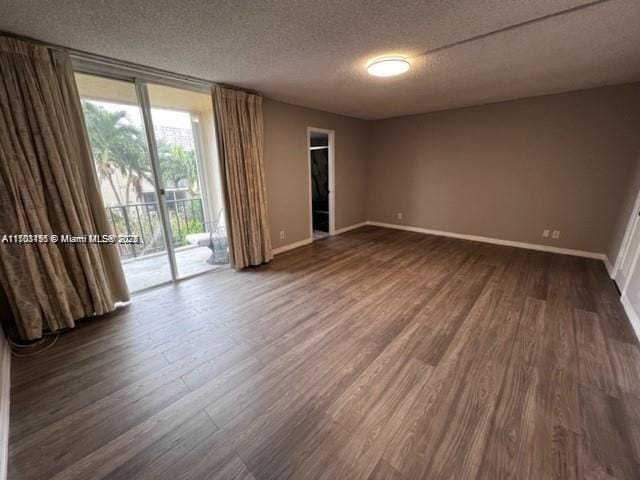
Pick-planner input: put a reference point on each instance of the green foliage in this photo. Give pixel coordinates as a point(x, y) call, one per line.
point(185, 217)
point(187, 226)
point(118, 146)
point(176, 165)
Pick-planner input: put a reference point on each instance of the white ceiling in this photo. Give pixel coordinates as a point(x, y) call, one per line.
point(314, 53)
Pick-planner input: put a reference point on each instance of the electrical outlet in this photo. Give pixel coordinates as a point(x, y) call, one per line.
point(281, 234)
point(545, 232)
point(555, 234)
point(399, 215)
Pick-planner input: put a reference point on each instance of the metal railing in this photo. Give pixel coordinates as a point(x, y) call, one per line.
point(143, 219)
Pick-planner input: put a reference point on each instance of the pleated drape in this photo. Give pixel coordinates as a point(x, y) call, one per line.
point(48, 186)
point(239, 128)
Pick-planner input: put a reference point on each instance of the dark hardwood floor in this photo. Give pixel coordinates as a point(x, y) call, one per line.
point(377, 354)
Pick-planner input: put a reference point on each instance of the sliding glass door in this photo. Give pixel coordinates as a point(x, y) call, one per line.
point(154, 153)
point(117, 134)
point(184, 139)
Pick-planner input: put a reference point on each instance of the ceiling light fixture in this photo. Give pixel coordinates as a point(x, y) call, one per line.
point(388, 67)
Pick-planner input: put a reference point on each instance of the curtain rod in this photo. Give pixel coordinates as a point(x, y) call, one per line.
point(136, 67)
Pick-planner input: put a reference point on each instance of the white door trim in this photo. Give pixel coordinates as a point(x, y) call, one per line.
point(634, 265)
point(332, 194)
point(626, 240)
point(631, 314)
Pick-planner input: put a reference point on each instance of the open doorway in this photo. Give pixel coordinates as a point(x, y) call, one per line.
point(320, 144)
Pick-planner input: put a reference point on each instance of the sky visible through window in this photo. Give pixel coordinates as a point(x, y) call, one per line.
point(162, 117)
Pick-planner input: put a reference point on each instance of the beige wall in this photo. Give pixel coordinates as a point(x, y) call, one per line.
point(287, 170)
point(512, 169)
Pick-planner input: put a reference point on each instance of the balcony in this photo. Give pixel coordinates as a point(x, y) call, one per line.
point(143, 219)
point(147, 264)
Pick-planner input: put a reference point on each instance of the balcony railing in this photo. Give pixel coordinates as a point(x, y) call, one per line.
point(143, 219)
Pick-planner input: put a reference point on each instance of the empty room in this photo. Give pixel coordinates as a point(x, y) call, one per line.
point(320, 240)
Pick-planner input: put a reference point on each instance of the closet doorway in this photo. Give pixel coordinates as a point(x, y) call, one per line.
point(320, 143)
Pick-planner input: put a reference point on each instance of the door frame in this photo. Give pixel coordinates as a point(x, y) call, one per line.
point(625, 246)
point(331, 167)
point(625, 252)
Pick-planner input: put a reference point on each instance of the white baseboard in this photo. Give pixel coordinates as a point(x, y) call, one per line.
point(348, 228)
point(631, 313)
point(476, 238)
point(291, 246)
point(608, 266)
point(5, 390)
point(307, 241)
point(496, 241)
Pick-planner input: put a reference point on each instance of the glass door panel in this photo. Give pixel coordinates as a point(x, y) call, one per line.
point(189, 176)
point(117, 134)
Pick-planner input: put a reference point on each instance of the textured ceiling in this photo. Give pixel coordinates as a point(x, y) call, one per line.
point(314, 53)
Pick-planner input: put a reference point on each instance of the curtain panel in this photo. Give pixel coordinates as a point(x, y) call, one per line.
point(239, 128)
point(48, 186)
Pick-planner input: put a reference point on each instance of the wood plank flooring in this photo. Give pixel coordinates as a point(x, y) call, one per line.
point(377, 354)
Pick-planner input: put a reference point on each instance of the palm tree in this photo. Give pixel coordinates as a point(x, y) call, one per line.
point(116, 146)
point(134, 165)
point(177, 164)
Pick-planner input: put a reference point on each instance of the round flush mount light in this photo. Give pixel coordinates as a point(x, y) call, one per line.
point(388, 67)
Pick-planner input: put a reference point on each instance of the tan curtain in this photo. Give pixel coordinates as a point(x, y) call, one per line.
point(48, 186)
point(240, 137)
